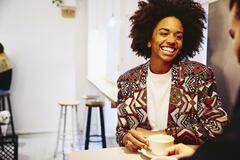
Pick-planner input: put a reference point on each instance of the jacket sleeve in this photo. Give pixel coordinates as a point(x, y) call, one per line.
point(208, 120)
point(122, 126)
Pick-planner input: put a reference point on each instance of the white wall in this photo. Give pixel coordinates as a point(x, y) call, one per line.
point(202, 56)
point(128, 59)
point(100, 56)
point(49, 57)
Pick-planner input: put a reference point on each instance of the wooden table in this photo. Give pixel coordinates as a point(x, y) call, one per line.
point(116, 153)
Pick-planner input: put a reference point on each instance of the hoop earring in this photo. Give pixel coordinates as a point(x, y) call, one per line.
point(149, 45)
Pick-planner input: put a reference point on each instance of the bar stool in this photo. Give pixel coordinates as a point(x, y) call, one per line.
point(93, 102)
point(64, 105)
point(5, 99)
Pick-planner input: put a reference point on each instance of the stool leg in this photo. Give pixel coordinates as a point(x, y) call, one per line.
point(102, 128)
point(64, 131)
point(77, 126)
point(3, 103)
point(58, 134)
point(88, 128)
point(11, 117)
point(73, 129)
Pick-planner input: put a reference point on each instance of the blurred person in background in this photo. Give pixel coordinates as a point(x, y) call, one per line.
point(5, 71)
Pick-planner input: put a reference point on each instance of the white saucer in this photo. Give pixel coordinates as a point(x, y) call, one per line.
point(149, 154)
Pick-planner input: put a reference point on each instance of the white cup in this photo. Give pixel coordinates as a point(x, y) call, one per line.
point(159, 142)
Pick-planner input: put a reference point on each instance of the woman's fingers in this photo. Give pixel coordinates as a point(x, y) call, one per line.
point(137, 135)
point(180, 151)
point(136, 142)
point(173, 150)
point(130, 146)
point(137, 139)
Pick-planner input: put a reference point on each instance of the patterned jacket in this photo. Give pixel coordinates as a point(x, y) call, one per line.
point(195, 110)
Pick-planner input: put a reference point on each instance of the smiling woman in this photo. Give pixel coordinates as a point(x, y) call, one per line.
point(168, 94)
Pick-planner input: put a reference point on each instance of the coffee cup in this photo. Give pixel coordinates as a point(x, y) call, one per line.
point(159, 142)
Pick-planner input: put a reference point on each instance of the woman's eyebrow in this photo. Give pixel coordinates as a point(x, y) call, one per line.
point(165, 29)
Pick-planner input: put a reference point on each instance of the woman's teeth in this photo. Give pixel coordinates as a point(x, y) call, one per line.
point(168, 50)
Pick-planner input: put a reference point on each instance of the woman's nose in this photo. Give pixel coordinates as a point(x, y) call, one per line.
point(171, 39)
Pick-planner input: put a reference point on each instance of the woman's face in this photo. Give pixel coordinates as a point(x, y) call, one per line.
point(167, 39)
point(235, 31)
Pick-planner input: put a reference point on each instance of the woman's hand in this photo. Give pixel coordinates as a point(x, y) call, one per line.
point(135, 140)
point(179, 151)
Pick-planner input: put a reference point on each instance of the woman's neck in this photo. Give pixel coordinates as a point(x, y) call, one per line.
point(160, 67)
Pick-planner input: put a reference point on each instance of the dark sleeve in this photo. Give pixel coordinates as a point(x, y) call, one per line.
point(221, 150)
point(5, 79)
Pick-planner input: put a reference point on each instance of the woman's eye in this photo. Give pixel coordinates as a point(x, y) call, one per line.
point(163, 33)
point(179, 37)
point(231, 33)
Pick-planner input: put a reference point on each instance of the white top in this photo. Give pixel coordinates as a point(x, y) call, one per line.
point(158, 94)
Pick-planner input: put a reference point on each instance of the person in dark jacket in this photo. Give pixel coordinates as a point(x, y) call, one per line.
point(5, 71)
point(227, 145)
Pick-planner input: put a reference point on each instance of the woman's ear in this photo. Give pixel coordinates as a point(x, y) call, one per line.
point(149, 45)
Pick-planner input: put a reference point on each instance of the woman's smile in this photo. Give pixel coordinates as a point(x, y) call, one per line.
point(169, 51)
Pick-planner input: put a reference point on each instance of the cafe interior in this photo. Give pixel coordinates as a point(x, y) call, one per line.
point(67, 56)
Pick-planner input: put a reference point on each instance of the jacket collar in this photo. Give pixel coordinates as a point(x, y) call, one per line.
point(144, 73)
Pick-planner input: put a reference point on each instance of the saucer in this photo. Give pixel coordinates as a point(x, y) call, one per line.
point(152, 156)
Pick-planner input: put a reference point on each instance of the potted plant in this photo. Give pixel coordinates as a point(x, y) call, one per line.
point(58, 3)
point(68, 7)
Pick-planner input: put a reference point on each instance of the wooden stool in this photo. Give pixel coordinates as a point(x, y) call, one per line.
point(64, 105)
point(94, 103)
point(5, 97)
